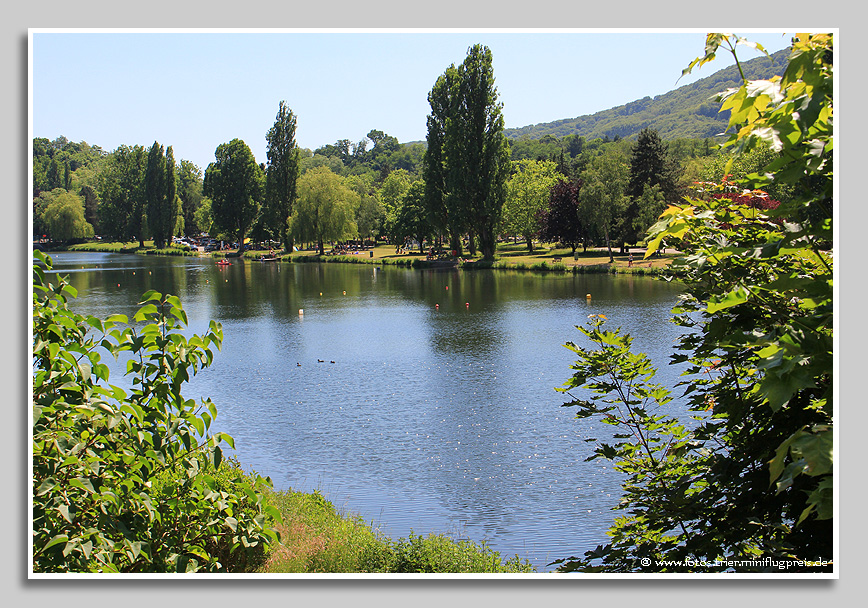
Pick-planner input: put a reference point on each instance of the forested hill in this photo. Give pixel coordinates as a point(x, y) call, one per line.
point(688, 111)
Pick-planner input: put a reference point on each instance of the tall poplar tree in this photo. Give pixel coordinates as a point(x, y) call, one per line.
point(160, 194)
point(281, 173)
point(472, 162)
point(434, 165)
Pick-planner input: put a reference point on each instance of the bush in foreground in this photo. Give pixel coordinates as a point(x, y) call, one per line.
point(131, 482)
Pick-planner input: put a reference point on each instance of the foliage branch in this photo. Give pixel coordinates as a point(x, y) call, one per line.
point(132, 481)
point(755, 476)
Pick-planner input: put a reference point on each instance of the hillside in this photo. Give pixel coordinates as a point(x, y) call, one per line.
point(686, 112)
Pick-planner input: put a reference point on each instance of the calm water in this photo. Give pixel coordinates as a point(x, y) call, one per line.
point(423, 418)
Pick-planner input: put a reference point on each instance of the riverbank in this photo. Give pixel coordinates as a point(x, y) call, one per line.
point(316, 538)
point(508, 257)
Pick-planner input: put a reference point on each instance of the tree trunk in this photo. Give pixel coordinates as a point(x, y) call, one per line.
point(529, 243)
point(487, 243)
point(456, 244)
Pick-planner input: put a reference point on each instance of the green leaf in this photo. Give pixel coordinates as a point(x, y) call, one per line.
point(55, 540)
point(46, 486)
point(815, 449)
point(737, 296)
point(151, 295)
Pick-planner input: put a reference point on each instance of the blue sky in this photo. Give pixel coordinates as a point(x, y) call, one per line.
point(194, 90)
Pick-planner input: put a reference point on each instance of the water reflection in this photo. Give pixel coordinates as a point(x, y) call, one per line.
point(421, 400)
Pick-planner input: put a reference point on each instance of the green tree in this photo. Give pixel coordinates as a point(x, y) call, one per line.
point(281, 173)
point(91, 206)
point(527, 193)
point(603, 199)
point(162, 204)
point(370, 214)
point(392, 194)
point(132, 481)
point(122, 194)
point(54, 175)
point(560, 221)
point(470, 168)
point(383, 157)
point(234, 183)
point(190, 193)
point(443, 216)
point(650, 165)
point(411, 219)
point(203, 217)
point(325, 209)
point(753, 477)
point(64, 218)
point(40, 204)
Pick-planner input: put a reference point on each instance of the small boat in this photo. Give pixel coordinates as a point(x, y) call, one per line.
point(269, 258)
point(224, 263)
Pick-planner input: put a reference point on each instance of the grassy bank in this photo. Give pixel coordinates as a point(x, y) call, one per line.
point(114, 247)
point(508, 257)
point(315, 537)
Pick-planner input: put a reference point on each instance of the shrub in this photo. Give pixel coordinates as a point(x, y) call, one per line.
point(439, 553)
point(131, 482)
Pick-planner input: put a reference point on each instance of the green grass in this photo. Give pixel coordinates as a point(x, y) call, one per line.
point(315, 537)
point(114, 247)
point(509, 256)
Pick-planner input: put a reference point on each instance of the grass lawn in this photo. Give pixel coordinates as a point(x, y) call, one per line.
point(508, 255)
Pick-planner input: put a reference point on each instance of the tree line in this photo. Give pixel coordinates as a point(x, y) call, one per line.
point(466, 187)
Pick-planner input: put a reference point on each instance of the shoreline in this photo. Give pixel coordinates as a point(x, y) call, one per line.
point(593, 261)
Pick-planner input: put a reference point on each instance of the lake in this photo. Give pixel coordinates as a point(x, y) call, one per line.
point(434, 407)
